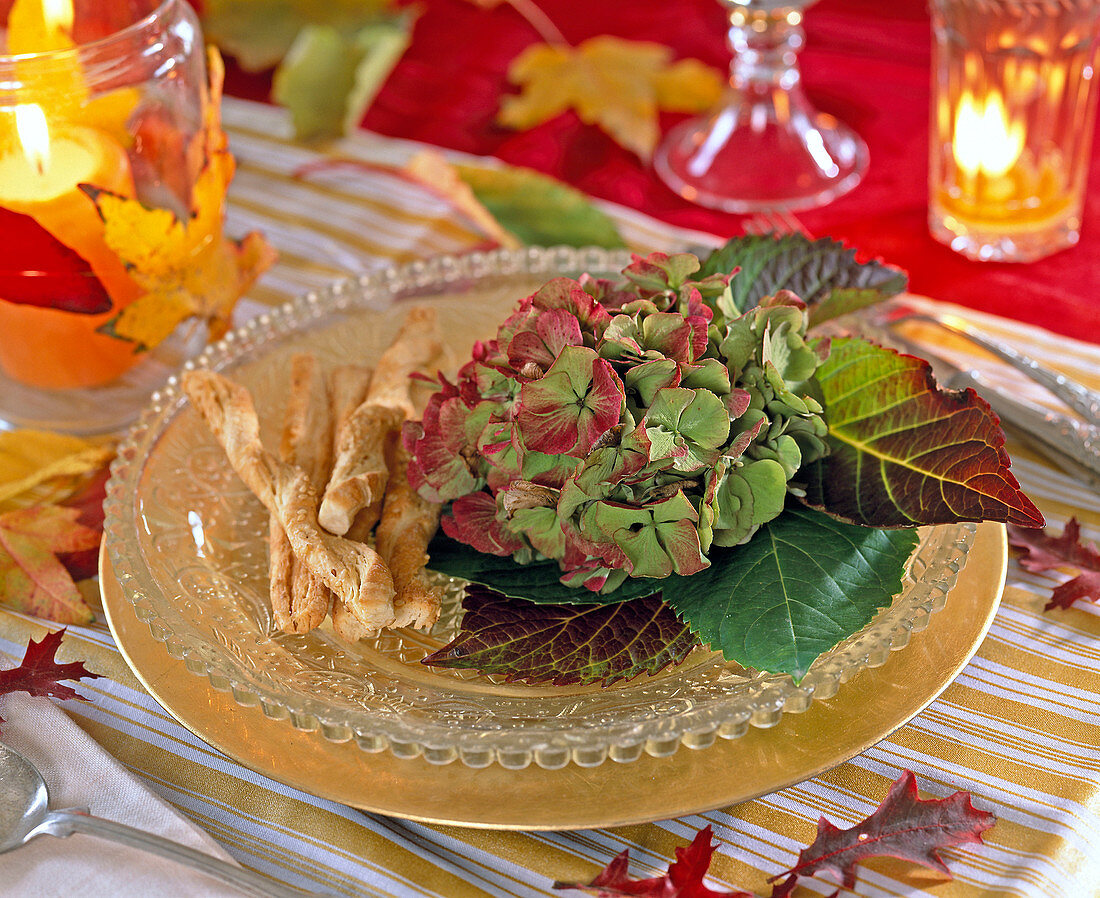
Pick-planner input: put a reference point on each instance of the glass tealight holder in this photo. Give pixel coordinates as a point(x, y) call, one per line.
point(95, 98)
point(1013, 112)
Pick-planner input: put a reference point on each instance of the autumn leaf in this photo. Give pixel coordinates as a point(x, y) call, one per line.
point(31, 458)
point(823, 273)
point(37, 269)
point(564, 644)
point(1044, 553)
point(259, 34)
point(540, 210)
point(617, 84)
point(185, 266)
point(904, 452)
point(435, 171)
point(330, 76)
point(32, 579)
point(40, 674)
point(684, 878)
point(904, 826)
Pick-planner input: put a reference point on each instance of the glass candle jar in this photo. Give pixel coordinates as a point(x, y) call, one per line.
point(94, 97)
point(1013, 110)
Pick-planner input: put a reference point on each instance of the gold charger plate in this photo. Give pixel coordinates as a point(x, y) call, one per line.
point(867, 709)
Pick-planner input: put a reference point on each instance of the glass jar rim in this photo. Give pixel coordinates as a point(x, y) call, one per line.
point(99, 45)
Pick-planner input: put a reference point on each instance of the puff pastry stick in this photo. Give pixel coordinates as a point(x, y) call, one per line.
point(353, 571)
point(407, 526)
point(347, 388)
point(359, 473)
point(299, 600)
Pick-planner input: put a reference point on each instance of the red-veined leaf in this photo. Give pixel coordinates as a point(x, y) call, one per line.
point(904, 451)
point(564, 644)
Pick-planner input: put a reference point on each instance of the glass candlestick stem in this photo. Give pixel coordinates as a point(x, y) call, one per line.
point(767, 147)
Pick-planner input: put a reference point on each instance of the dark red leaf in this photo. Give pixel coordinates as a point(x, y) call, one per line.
point(37, 269)
point(564, 644)
point(40, 674)
point(903, 826)
point(1043, 552)
point(89, 499)
point(683, 880)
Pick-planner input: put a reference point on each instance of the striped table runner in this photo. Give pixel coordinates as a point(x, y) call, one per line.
point(1020, 728)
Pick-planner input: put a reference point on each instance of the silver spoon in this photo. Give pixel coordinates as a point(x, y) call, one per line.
point(25, 813)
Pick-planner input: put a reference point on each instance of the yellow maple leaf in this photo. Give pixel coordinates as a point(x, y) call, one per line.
point(185, 265)
point(30, 459)
point(617, 84)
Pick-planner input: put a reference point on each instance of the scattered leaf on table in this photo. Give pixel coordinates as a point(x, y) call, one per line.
point(40, 674)
point(61, 277)
point(32, 579)
point(329, 77)
point(905, 452)
point(87, 500)
point(29, 458)
point(259, 34)
point(904, 826)
point(823, 273)
point(564, 644)
point(617, 84)
point(802, 584)
point(684, 878)
point(540, 210)
point(1044, 553)
point(433, 169)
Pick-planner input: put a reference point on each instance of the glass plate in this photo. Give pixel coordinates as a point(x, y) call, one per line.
point(188, 545)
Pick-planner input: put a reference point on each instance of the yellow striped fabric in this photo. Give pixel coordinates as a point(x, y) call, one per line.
point(1020, 728)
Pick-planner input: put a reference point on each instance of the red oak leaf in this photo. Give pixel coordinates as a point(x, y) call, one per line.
point(37, 269)
point(40, 674)
point(903, 826)
point(1043, 552)
point(683, 880)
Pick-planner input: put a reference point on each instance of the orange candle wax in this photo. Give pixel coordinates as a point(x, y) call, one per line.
point(39, 177)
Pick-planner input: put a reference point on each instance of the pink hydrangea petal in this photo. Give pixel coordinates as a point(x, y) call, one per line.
point(473, 520)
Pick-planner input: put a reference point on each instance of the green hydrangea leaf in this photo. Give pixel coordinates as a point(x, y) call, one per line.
point(540, 210)
point(565, 644)
point(903, 451)
point(536, 582)
point(823, 273)
point(802, 584)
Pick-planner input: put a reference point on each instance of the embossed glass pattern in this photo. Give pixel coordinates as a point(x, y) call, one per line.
point(188, 544)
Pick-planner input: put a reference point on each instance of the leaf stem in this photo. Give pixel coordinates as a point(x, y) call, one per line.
point(540, 21)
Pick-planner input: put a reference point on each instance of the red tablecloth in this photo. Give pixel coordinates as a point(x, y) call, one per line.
point(866, 62)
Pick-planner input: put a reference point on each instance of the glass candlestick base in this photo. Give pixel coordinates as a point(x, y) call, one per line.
point(767, 147)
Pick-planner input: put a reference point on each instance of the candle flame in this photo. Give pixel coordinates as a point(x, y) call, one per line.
point(34, 134)
point(58, 15)
point(985, 141)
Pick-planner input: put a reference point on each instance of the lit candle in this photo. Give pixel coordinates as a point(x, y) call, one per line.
point(987, 146)
point(40, 177)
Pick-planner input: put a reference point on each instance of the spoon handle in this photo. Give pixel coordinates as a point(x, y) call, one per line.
point(65, 823)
